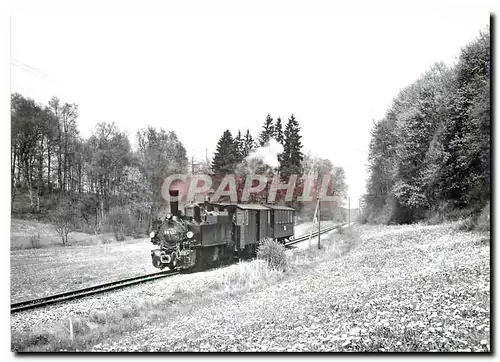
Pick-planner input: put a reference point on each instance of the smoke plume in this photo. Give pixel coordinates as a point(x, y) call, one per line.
point(268, 154)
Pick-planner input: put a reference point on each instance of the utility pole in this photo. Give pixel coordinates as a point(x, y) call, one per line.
point(314, 223)
point(319, 221)
point(349, 206)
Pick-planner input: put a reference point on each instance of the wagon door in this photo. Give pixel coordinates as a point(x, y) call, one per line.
point(251, 226)
point(264, 225)
point(241, 228)
point(271, 223)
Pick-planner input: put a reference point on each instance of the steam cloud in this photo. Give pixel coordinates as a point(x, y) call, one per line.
point(268, 154)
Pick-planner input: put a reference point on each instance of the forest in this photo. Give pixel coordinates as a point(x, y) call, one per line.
point(430, 156)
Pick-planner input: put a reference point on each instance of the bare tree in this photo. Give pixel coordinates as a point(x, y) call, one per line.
point(65, 216)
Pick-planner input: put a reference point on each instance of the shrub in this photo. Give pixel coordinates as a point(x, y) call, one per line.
point(120, 222)
point(483, 220)
point(435, 218)
point(273, 253)
point(466, 224)
point(340, 229)
point(362, 218)
point(98, 317)
point(35, 241)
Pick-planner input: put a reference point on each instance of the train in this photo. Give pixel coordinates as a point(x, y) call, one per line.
point(208, 234)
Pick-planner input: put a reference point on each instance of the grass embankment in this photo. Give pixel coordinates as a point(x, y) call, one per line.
point(374, 288)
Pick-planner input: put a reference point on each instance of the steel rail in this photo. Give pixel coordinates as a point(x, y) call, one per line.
point(314, 233)
point(80, 293)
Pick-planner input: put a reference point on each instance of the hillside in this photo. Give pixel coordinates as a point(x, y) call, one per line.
point(376, 288)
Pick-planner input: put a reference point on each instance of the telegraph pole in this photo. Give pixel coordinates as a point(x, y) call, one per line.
point(314, 223)
point(349, 206)
point(319, 221)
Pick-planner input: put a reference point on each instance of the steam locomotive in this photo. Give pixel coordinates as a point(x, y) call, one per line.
point(208, 234)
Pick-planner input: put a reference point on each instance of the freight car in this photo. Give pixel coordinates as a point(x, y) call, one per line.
point(208, 234)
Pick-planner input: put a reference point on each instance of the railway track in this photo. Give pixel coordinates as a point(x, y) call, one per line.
point(119, 284)
point(314, 234)
point(80, 293)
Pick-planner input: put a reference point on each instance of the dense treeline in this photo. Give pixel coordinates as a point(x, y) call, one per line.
point(101, 184)
point(430, 155)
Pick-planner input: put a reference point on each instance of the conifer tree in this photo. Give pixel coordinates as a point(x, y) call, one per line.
point(291, 159)
point(248, 144)
point(224, 157)
point(239, 147)
point(278, 131)
point(267, 132)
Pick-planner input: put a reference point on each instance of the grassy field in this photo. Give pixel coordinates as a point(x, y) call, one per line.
point(54, 268)
point(92, 259)
point(373, 288)
point(39, 272)
point(22, 231)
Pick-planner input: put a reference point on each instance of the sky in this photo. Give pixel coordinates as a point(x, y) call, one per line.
point(200, 72)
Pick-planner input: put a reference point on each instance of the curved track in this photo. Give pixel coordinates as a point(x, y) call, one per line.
point(101, 288)
point(80, 293)
point(315, 233)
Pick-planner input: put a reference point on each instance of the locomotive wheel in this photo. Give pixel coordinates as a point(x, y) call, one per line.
point(200, 261)
point(173, 264)
point(198, 265)
point(158, 264)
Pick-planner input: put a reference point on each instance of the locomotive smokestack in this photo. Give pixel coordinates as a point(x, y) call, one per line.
point(174, 205)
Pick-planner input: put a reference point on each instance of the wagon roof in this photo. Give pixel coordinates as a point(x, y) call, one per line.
point(279, 207)
point(251, 207)
point(221, 203)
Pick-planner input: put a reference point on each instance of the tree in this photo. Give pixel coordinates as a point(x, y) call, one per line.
point(291, 159)
point(64, 217)
point(120, 222)
point(431, 152)
point(224, 159)
point(467, 135)
point(29, 130)
point(108, 153)
point(161, 154)
point(136, 195)
point(418, 112)
point(248, 144)
point(65, 116)
point(69, 134)
point(239, 147)
point(267, 131)
point(381, 158)
point(278, 132)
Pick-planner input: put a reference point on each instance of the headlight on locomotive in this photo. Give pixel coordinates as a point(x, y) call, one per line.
point(189, 234)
